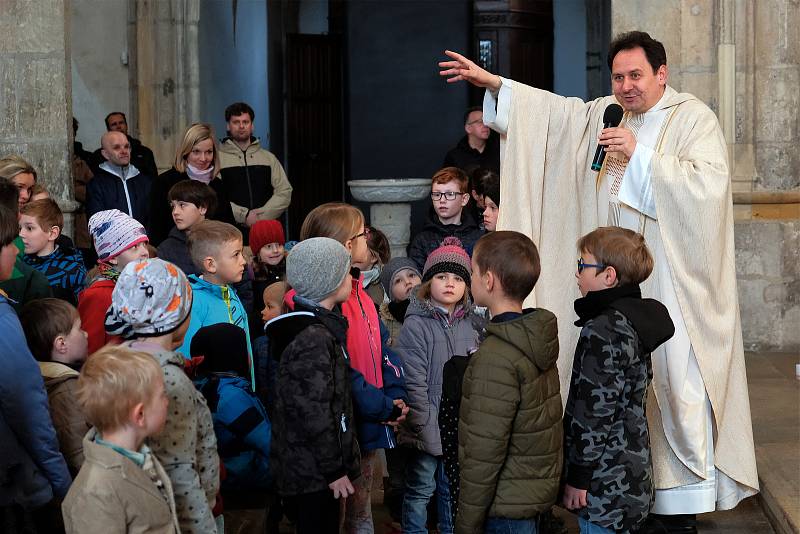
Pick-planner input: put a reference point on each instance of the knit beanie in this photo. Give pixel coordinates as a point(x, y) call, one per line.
point(393, 268)
point(450, 257)
point(316, 267)
point(152, 297)
point(265, 232)
point(114, 232)
point(223, 347)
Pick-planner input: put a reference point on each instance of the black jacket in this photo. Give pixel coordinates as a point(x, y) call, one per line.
point(313, 440)
point(161, 213)
point(434, 232)
point(108, 191)
point(468, 159)
point(606, 440)
point(141, 157)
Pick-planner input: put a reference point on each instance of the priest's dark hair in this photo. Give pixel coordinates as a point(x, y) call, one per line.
point(654, 50)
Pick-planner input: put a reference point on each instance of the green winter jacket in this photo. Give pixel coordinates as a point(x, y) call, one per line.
point(509, 432)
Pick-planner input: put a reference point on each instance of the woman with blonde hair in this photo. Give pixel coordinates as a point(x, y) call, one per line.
point(197, 158)
point(20, 173)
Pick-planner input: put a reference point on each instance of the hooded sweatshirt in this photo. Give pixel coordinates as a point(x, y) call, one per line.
point(509, 432)
point(606, 405)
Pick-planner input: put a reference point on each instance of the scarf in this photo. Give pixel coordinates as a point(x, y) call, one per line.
point(201, 176)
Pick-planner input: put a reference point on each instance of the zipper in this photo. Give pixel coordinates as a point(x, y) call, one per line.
point(369, 334)
point(247, 177)
point(127, 195)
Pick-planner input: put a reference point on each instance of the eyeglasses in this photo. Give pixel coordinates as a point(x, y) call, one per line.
point(449, 195)
point(478, 121)
point(365, 233)
point(582, 266)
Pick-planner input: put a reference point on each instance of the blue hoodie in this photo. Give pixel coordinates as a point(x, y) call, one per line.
point(213, 304)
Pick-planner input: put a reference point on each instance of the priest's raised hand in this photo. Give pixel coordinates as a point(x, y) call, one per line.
point(462, 68)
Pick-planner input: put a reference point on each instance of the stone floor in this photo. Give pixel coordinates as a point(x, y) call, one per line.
point(774, 396)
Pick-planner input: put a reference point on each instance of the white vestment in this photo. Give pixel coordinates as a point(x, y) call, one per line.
point(624, 193)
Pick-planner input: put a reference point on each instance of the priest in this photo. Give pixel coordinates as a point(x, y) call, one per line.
point(665, 175)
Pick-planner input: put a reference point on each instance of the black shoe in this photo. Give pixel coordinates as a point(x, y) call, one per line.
point(651, 525)
point(677, 524)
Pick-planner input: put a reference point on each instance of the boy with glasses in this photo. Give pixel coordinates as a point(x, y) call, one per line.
point(607, 466)
point(447, 217)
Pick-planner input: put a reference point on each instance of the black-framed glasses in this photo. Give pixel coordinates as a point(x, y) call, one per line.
point(582, 266)
point(365, 233)
point(476, 121)
point(449, 195)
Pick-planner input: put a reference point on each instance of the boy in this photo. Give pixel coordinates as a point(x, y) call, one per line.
point(610, 487)
point(32, 469)
point(315, 455)
point(191, 202)
point(509, 432)
point(491, 201)
point(53, 331)
point(150, 307)
point(122, 486)
point(216, 249)
point(449, 194)
point(40, 226)
point(119, 240)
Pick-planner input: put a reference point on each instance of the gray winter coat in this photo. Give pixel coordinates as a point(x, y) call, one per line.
point(428, 338)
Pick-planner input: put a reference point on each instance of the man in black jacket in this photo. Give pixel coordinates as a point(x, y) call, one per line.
point(480, 147)
point(141, 156)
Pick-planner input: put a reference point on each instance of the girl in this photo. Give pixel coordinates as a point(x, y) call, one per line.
point(440, 323)
point(266, 241)
point(377, 384)
point(378, 253)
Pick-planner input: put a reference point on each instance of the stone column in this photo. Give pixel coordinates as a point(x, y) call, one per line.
point(165, 74)
point(35, 93)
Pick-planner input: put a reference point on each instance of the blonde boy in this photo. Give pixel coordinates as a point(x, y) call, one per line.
point(122, 486)
point(40, 225)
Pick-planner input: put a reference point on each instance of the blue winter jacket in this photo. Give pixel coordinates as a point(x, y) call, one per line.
point(32, 470)
point(213, 304)
point(243, 430)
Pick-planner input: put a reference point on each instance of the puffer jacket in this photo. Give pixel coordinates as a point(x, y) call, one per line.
point(253, 179)
point(428, 339)
point(127, 190)
point(314, 441)
point(68, 419)
point(509, 432)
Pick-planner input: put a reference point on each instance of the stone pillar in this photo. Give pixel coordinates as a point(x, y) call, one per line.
point(35, 93)
point(165, 73)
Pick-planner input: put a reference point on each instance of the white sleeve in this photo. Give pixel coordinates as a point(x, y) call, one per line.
point(636, 190)
point(497, 106)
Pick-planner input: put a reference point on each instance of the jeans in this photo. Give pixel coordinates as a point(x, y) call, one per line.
point(501, 525)
point(424, 475)
point(591, 528)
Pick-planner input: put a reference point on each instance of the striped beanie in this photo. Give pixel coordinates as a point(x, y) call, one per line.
point(114, 232)
point(450, 257)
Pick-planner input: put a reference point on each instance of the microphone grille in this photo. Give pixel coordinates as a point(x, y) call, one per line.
point(612, 114)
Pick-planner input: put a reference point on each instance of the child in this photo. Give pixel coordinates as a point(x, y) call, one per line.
point(32, 469)
point(378, 389)
point(40, 226)
point(53, 331)
point(265, 367)
point(378, 254)
point(191, 201)
point(398, 278)
point(119, 239)
point(439, 325)
point(447, 217)
point(611, 488)
point(315, 455)
point(509, 432)
point(216, 249)
point(240, 421)
point(150, 308)
point(491, 200)
point(266, 241)
point(122, 486)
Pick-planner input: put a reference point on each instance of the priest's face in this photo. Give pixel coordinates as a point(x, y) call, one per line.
point(633, 81)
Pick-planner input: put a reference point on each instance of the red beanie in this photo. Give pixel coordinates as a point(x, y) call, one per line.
point(265, 232)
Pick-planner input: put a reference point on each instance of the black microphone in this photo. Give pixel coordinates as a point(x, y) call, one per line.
point(611, 118)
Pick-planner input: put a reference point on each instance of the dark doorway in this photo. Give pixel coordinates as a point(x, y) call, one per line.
point(314, 127)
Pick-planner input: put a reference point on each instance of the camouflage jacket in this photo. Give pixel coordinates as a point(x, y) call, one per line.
point(606, 442)
point(313, 433)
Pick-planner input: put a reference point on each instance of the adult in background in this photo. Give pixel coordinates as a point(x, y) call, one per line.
point(480, 146)
point(665, 176)
point(253, 178)
point(197, 158)
point(141, 156)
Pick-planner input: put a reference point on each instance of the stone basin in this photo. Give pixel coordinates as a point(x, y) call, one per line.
point(390, 189)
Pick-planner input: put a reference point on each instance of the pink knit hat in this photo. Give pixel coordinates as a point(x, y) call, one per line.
point(450, 257)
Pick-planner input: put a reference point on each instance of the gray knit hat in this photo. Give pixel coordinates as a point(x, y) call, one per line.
point(316, 267)
point(393, 268)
